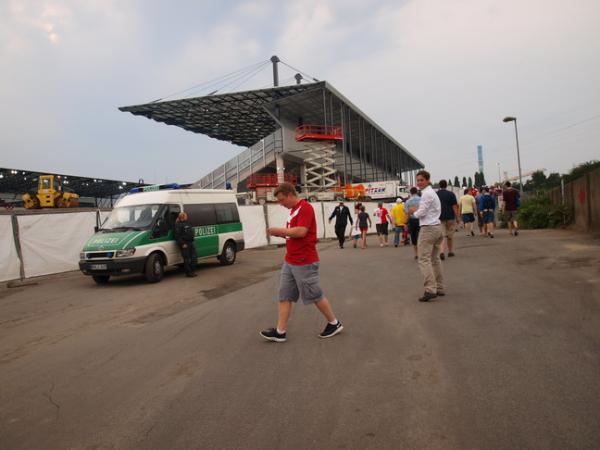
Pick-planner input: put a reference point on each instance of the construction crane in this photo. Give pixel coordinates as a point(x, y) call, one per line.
point(526, 174)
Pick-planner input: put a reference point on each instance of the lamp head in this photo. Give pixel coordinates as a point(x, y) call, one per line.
point(509, 119)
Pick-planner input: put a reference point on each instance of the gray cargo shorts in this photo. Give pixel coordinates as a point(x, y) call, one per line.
point(510, 216)
point(300, 281)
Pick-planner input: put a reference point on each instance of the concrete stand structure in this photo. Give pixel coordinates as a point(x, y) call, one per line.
point(310, 131)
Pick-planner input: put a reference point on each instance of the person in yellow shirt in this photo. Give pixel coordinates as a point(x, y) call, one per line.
point(468, 210)
point(399, 216)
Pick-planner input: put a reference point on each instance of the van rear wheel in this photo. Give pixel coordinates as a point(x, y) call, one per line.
point(155, 269)
point(228, 254)
point(101, 279)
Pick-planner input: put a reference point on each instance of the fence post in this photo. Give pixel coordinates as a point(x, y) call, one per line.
point(323, 214)
point(266, 214)
point(588, 191)
point(15, 228)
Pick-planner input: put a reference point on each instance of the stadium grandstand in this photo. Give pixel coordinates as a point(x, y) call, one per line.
point(305, 131)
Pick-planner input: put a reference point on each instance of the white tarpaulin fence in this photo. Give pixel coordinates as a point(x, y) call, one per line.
point(9, 260)
point(254, 226)
point(50, 243)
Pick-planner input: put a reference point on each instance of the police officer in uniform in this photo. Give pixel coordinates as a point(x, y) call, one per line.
point(184, 236)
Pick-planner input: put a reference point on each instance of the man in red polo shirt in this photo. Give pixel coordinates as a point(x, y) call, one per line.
point(300, 271)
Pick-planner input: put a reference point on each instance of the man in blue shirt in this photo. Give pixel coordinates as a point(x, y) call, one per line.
point(487, 206)
point(413, 222)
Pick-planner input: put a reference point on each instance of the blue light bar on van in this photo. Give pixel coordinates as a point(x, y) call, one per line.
point(154, 187)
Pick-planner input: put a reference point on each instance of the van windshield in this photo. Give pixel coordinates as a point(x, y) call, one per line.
point(136, 217)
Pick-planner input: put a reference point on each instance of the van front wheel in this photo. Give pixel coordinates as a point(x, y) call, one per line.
point(154, 268)
point(228, 255)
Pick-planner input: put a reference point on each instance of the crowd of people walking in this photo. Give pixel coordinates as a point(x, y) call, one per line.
point(428, 220)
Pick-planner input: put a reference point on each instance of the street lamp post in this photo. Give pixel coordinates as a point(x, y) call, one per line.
point(514, 119)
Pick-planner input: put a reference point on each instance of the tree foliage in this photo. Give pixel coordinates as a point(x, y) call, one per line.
point(456, 182)
point(540, 182)
point(581, 170)
point(479, 179)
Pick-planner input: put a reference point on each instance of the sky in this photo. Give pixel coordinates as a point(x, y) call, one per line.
point(437, 75)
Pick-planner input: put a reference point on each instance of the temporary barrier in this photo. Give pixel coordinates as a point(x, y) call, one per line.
point(50, 243)
point(370, 208)
point(9, 260)
point(328, 208)
point(277, 216)
point(254, 226)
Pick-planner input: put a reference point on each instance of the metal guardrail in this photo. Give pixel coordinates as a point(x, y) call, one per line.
point(320, 132)
point(243, 165)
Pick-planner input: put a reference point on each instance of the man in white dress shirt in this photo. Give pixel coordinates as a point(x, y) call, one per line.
point(431, 237)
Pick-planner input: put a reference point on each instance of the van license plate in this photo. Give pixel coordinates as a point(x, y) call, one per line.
point(97, 266)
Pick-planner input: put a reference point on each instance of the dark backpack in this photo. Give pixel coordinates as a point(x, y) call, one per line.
point(488, 202)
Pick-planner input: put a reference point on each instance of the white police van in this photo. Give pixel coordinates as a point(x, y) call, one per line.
point(137, 236)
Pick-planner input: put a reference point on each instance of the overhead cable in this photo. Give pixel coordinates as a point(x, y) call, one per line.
point(240, 81)
point(575, 124)
point(299, 71)
point(214, 80)
point(218, 83)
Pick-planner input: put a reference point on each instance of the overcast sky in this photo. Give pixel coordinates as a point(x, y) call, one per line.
point(438, 75)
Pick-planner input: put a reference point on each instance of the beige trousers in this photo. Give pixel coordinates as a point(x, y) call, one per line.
point(429, 248)
point(448, 228)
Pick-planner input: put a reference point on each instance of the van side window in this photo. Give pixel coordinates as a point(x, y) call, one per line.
point(199, 215)
point(172, 214)
point(227, 213)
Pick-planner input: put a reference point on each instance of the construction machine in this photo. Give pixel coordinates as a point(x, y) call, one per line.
point(50, 194)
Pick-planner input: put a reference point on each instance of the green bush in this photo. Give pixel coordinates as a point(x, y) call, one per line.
point(539, 212)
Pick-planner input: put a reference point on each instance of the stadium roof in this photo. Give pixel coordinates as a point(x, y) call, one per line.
point(244, 118)
point(237, 117)
point(18, 181)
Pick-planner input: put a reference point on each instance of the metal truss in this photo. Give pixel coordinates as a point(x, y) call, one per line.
point(319, 160)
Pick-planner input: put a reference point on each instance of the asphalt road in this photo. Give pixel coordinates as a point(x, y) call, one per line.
point(510, 358)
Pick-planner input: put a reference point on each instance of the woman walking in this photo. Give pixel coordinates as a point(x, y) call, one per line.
point(364, 223)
